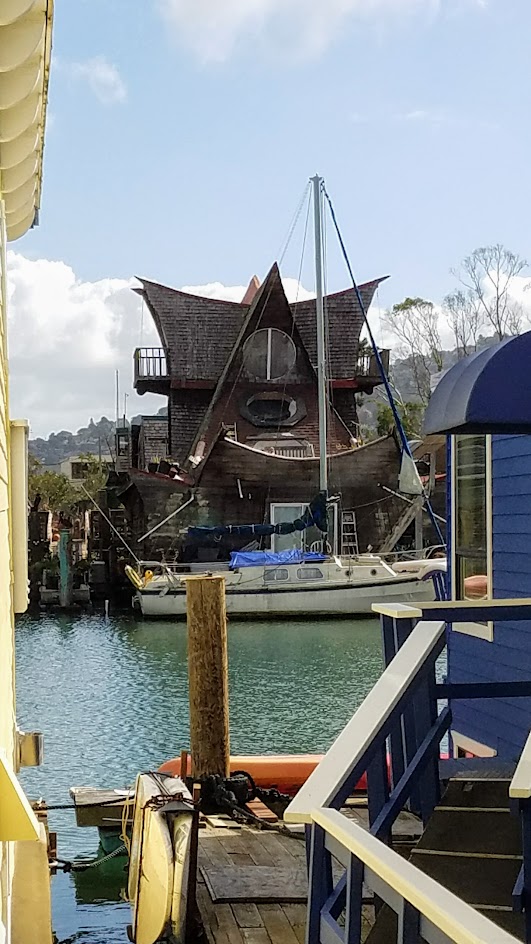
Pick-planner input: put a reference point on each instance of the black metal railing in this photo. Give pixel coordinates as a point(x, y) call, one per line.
point(151, 363)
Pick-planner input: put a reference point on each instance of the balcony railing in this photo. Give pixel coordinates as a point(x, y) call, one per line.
point(367, 366)
point(151, 363)
point(406, 714)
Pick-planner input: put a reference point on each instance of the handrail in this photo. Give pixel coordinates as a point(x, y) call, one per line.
point(441, 912)
point(369, 721)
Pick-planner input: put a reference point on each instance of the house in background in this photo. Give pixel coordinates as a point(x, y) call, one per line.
point(241, 437)
point(76, 468)
point(483, 403)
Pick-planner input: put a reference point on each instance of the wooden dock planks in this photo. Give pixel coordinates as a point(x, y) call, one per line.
point(239, 857)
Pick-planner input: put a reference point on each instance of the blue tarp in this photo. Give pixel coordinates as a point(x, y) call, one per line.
point(315, 515)
point(293, 556)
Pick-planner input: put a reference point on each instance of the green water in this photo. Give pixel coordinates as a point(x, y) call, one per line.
point(111, 699)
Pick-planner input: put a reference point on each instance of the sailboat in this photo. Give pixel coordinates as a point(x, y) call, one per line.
point(296, 583)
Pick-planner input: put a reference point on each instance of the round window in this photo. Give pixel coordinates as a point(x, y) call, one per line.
point(269, 354)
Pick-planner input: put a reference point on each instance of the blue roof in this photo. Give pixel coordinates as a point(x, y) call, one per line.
point(487, 392)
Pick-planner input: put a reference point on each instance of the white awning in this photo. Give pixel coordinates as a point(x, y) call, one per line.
point(25, 49)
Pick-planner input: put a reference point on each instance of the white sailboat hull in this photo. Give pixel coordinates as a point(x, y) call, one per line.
point(341, 599)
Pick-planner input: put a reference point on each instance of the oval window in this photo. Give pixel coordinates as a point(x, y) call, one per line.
point(269, 354)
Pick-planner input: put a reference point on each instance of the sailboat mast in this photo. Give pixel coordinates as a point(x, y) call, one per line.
point(321, 334)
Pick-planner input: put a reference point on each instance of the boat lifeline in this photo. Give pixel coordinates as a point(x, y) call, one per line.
point(264, 585)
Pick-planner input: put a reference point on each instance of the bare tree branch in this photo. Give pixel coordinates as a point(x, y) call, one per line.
point(487, 275)
point(415, 322)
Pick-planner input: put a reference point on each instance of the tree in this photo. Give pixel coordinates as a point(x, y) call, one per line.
point(411, 416)
point(55, 489)
point(463, 313)
point(96, 474)
point(415, 322)
point(57, 493)
point(487, 275)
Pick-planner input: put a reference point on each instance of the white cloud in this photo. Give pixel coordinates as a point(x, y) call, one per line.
point(295, 292)
point(102, 77)
point(213, 28)
point(67, 338)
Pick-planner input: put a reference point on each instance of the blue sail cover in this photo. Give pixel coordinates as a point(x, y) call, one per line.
point(314, 516)
point(293, 556)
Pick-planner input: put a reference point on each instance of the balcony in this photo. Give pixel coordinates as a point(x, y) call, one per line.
point(367, 372)
point(151, 370)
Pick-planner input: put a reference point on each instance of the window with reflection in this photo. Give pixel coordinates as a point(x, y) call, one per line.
point(472, 520)
point(269, 354)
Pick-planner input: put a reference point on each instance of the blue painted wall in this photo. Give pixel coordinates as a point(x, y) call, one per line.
point(502, 724)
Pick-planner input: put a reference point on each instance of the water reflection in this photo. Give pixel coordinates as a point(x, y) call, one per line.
point(111, 697)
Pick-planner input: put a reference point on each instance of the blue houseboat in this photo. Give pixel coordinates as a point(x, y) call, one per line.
point(468, 879)
point(489, 511)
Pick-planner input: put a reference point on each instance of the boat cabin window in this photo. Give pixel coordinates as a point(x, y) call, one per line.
point(276, 573)
point(269, 354)
point(309, 573)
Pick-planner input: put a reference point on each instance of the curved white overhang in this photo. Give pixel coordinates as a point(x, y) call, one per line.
point(25, 49)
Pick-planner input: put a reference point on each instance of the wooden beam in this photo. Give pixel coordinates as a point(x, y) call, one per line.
point(208, 676)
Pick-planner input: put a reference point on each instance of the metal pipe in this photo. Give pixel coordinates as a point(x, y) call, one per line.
point(321, 334)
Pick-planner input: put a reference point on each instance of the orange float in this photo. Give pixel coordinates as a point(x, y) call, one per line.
point(285, 772)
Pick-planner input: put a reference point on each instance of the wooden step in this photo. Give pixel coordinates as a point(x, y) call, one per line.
point(471, 846)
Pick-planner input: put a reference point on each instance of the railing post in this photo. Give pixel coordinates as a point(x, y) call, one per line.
point(398, 621)
point(408, 924)
point(353, 913)
point(319, 883)
point(425, 710)
point(378, 786)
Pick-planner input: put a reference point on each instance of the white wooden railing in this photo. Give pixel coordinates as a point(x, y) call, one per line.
point(349, 748)
point(437, 914)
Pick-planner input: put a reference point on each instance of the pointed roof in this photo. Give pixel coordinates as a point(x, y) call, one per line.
point(199, 334)
point(252, 289)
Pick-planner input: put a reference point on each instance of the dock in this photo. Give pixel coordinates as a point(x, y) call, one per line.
point(252, 884)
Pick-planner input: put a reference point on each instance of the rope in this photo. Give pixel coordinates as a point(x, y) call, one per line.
point(69, 866)
point(383, 374)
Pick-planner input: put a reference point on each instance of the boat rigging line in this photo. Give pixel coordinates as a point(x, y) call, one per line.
point(168, 518)
point(385, 379)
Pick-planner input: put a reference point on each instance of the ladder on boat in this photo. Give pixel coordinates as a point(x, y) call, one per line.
point(349, 535)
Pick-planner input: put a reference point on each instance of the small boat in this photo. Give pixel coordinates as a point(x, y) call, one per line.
point(290, 584)
point(159, 862)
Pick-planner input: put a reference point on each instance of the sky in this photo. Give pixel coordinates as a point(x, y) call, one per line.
point(181, 135)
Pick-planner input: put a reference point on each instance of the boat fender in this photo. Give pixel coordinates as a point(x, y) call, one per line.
point(148, 576)
point(133, 576)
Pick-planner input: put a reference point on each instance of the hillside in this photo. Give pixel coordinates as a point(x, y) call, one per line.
point(90, 439)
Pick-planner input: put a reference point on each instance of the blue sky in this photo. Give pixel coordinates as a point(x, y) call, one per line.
point(182, 133)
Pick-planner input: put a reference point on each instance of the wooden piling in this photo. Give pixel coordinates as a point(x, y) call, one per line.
point(208, 676)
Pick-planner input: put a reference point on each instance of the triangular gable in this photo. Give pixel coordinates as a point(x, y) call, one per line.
point(270, 290)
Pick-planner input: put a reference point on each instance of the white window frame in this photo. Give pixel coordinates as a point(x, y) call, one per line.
point(479, 630)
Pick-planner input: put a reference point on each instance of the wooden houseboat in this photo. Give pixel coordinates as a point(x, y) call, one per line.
point(241, 438)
